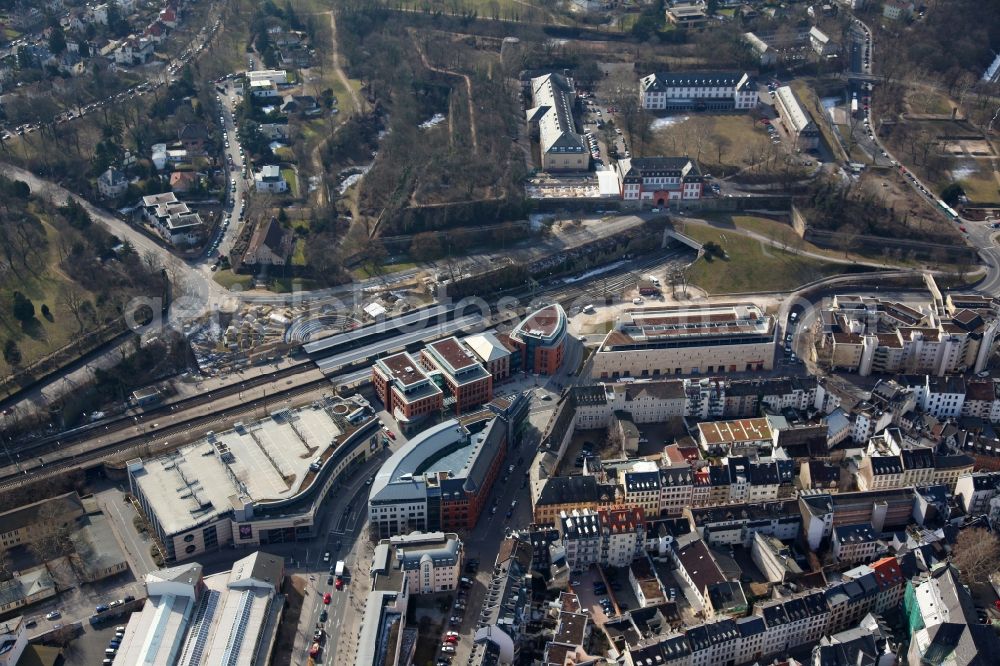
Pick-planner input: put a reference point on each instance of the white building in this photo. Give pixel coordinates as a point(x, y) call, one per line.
point(551, 113)
point(269, 179)
point(431, 561)
point(177, 223)
point(112, 183)
point(275, 76)
point(681, 340)
point(248, 486)
point(796, 119)
point(659, 180)
point(13, 640)
point(698, 91)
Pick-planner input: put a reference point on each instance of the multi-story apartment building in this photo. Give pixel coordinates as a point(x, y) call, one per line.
point(676, 487)
point(870, 335)
point(622, 535)
point(854, 543)
point(431, 561)
point(975, 490)
point(698, 91)
point(642, 489)
point(581, 536)
point(733, 524)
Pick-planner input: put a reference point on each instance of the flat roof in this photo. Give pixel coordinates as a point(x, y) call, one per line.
point(403, 368)
point(264, 460)
point(740, 430)
point(653, 325)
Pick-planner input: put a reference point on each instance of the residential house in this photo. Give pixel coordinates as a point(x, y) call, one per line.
point(193, 137)
point(269, 179)
point(112, 183)
point(895, 10)
point(270, 245)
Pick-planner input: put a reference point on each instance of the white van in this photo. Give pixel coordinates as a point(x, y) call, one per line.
point(636, 301)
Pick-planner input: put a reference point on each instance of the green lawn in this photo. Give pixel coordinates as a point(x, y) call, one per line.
point(751, 266)
point(702, 136)
point(982, 187)
point(293, 182)
point(365, 272)
point(42, 336)
point(229, 279)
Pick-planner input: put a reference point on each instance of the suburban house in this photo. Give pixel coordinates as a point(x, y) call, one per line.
point(897, 9)
point(193, 137)
point(767, 55)
point(134, 51)
point(112, 183)
point(551, 117)
point(183, 181)
point(698, 91)
point(687, 16)
point(304, 104)
point(659, 180)
point(270, 245)
point(269, 179)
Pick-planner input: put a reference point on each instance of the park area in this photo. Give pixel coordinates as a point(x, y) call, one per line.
point(751, 265)
point(721, 144)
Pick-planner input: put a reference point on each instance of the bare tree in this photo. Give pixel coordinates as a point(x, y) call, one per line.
point(53, 542)
point(976, 553)
point(72, 298)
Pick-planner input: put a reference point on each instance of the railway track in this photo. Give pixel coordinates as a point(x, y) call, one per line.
point(147, 444)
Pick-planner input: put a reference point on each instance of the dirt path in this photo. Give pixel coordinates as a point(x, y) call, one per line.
point(317, 162)
point(468, 88)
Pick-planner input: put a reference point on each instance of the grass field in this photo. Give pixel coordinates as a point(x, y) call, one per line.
point(293, 182)
point(42, 336)
point(700, 135)
point(229, 279)
point(981, 186)
point(923, 101)
point(365, 272)
point(752, 266)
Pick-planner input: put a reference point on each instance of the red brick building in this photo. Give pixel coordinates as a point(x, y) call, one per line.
point(404, 388)
point(541, 340)
point(459, 372)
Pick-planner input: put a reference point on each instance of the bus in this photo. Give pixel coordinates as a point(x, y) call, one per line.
point(948, 210)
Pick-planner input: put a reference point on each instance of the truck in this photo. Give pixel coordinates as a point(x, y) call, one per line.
point(338, 572)
point(854, 105)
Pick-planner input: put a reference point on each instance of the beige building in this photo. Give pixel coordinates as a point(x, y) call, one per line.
point(796, 119)
point(30, 522)
point(551, 116)
point(870, 335)
point(683, 340)
point(431, 561)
